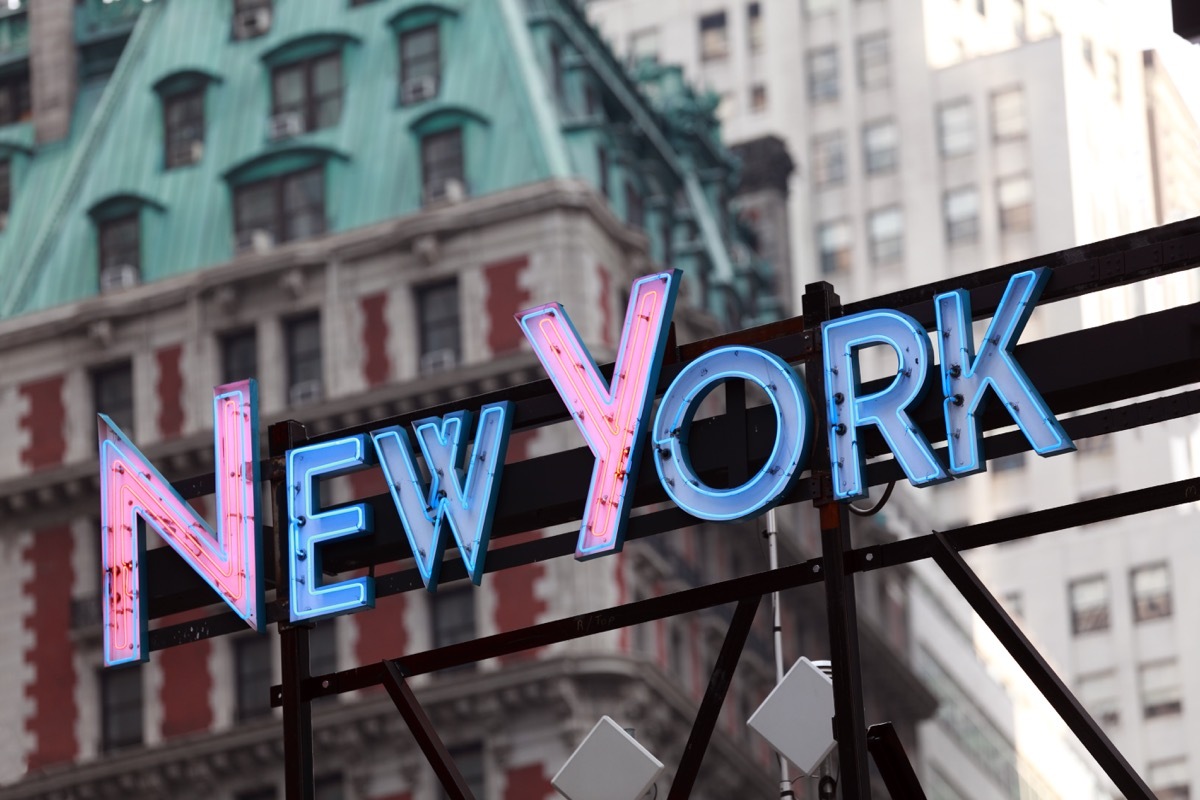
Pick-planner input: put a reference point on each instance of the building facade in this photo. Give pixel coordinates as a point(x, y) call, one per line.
point(940, 137)
point(349, 207)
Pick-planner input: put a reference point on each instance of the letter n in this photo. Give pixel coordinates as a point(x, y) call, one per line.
point(133, 491)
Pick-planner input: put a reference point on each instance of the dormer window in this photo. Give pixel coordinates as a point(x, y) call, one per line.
point(15, 105)
point(183, 128)
point(120, 252)
point(5, 191)
point(306, 95)
point(420, 64)
point(283, 208)
point(442, 170)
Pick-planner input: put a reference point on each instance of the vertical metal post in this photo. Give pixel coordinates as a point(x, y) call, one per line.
point(293, 639)
point(849, 725)
point(785, 778)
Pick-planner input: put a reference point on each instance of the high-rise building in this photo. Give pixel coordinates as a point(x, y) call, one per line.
point(938, 137)
point(348, 204)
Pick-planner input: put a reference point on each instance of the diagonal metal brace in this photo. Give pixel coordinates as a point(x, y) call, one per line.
point(1048, 683)
point(885, 747)
point(422, 730)
point(714, 698)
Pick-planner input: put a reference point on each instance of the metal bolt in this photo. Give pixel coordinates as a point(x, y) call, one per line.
point(840, 429)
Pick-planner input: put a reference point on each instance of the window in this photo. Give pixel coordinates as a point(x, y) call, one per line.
point(1162, 693)
point(322, 648)
point(420, 64)
point(1169, 779)
point(823, 75)
point(962, 215)
point(15, 105)
point(442, 171)
point(1151, 592)
point(833, 241)
point(332, 787)
point(556, 74)
point(469, 760)
point(602, 168)
point(309, 91)
point(874, 69)
point(251, 18)
point(643, 44)
point(881, 141)
point(817, 7)
point(885, 228)
point(1008, 114)
point(452, 617)
point(754, 27)
point(1010, 463)
point(252, 664)
point(304, 375)
point(635, 214)
point(183, 128)
point(1014, 196)
point(758, 97)
point(121, 708)
point(1098, 693)
point(981, 7)
point(112, 393)
point(1018, 11)
point(829, 159)
point(120, 251)
point(714, 36)
point(5, 191)
point(439, 333)
point(1089, 604)
point(280, 209)
point(956, 128)
point(239, 356)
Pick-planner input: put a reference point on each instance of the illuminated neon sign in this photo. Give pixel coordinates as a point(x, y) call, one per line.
point(133, 491)
point(446, 489)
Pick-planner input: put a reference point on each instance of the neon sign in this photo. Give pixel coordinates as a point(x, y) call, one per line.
point(133, 491)
point(457, 501)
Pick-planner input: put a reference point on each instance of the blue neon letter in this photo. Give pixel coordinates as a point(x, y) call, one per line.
point(885, 409)
point(467, 502)
point(309, 528)
point(966, 376)
point(793, 433)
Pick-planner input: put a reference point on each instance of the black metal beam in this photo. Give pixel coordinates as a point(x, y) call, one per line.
point(425, 734)
point(714, 698)
point(1073, 713)
point(892, 762)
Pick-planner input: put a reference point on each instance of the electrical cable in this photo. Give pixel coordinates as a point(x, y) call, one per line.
point(875, 509)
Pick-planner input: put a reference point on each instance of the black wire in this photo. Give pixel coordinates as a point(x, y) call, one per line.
point(875, 509)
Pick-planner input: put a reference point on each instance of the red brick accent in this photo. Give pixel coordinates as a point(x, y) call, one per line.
point(517, 605)
point(186, 683)
point(44, 422)
point(52, 692)
point(528, 783)
point(377, 367)
point(170, 391)
point(367, 483)
point(381, 631)
point(518, 446)
point(606, 309)
point(505, 297)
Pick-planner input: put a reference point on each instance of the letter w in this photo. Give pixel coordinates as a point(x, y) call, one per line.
point(466, 501)
point(132, 489)
point(613, 419)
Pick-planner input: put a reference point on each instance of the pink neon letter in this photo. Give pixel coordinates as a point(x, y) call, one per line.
point(130, 487)
point(613, 420)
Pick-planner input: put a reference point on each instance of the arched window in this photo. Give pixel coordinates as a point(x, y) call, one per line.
point(306, 83)
point(183, 104)
point(445, 134)
point(119, 221)
point(420, 32)
point(280, 197)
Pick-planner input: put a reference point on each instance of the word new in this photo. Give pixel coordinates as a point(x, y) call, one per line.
point(463, 452)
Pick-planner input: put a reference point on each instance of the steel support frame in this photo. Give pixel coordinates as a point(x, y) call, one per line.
point(1077, 271)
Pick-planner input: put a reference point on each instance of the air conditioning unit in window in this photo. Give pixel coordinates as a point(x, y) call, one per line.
point(416, 90)
point(451, 190)
point(305, 393)
point(285, 126)
point(252, 22)
point(256, 240)
point(438, 361)
point(196, 151)
point(121, 276)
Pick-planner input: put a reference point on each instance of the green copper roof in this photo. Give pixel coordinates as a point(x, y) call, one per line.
point(520, 125)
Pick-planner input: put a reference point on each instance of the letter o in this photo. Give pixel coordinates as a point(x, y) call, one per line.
point(793, 433)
